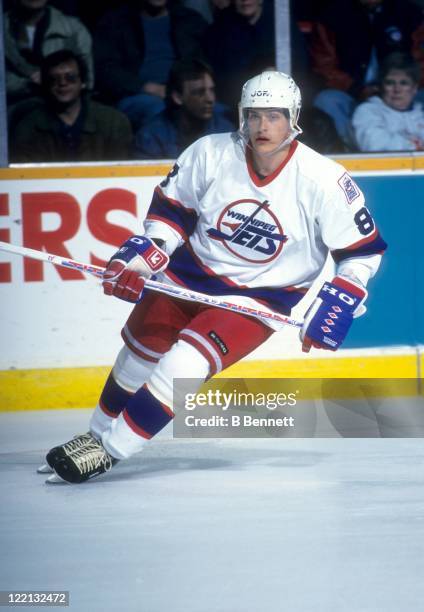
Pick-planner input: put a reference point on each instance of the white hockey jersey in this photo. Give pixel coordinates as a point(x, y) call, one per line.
point(259, 242)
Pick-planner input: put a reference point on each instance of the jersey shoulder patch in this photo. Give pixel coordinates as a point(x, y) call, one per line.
point(349, 187)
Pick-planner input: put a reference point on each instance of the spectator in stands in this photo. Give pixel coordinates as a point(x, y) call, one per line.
point(88, 11)
point(348, 44)
point(189, 114)
point(392, 121)
point(135, 47)
point(207, 8)
point(32, 30)
point(69, 126)
point(240, 40)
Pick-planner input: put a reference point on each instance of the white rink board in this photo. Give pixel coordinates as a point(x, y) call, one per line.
point(52, 322)
point(55, 322)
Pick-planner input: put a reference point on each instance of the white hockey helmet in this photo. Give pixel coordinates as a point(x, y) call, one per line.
point(271, 89)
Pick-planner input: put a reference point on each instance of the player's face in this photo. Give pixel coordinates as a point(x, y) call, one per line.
point(65, 83)
point(398, 90)
point(198, 97)
point(268, 128)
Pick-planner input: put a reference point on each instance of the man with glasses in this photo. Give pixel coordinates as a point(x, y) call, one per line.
point(68, 125)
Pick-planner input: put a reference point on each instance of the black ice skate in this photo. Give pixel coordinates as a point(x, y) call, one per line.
point(84, 463)
point(63, 450)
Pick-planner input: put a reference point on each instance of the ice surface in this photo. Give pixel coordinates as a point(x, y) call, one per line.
point(293, 525)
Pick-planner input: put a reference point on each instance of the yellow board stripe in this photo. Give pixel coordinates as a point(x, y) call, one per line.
point(51, 389)
point(358, 164)
point(353, 164)
point(77, 172)
point(371, 366)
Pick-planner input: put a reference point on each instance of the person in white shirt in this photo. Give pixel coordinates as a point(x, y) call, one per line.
point(392, 121)
point(249, 217)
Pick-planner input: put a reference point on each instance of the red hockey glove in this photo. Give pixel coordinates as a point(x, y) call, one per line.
point(330, 316)
point(137, 259)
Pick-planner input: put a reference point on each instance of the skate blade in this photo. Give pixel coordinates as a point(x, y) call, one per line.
point(55, 479)
point(44, 469)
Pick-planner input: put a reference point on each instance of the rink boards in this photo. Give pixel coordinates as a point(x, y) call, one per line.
point(59, 334)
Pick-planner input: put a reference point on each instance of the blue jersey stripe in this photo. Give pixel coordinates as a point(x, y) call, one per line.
point(188, 270)
point(374, 247)
point(172, 212)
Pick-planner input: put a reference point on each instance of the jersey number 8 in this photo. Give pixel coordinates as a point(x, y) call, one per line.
point(364, 221)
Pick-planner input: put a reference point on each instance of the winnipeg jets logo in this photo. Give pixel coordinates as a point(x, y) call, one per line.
point(249, 230)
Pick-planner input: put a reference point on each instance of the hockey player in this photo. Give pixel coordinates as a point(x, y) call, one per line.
point(248, 216)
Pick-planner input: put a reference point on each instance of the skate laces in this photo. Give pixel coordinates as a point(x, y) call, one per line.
point(92, 457)
point(77, 443)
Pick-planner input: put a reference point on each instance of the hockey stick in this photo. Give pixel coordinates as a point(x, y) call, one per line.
point(175, 291)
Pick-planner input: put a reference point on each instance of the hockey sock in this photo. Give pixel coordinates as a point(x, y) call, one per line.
point(149, 409)
point(143, 418)
point(129, 373)
point(100, 422)
point(113, 398)
point(145, 414)
point(111, 403)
